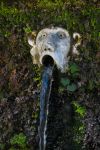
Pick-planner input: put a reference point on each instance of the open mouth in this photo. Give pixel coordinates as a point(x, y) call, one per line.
point(47, 60)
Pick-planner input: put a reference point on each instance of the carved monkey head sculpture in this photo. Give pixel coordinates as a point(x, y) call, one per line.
point(52, 44)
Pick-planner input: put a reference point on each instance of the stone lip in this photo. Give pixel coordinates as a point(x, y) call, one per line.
point(59, 61)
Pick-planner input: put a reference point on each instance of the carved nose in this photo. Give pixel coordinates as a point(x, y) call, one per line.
point(48, 48)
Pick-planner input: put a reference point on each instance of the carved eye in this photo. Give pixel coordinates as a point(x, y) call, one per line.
point(61, 35)
point(44, 35)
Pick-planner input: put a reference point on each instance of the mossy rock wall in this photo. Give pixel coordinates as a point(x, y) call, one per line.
point(20, 80)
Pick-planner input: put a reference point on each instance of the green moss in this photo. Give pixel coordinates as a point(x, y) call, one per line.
point(49, 4)
point(19, 140)
point(2, 146)
point(79, 127)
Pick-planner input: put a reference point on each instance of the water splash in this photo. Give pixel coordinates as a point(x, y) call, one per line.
point(44, 103)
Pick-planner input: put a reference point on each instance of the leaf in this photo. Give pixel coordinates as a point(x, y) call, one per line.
point(72, 87)
point(65, 81)
point(79, 109)
point(74, 68)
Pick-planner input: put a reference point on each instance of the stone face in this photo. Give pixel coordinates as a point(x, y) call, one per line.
point(54, 42)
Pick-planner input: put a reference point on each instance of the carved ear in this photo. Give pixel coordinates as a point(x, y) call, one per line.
point(35, 55)
point(77, 39)
point(31, 38)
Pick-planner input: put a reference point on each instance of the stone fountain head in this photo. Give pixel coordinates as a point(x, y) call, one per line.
point(52, 46)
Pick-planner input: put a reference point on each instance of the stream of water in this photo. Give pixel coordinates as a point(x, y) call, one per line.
point(44, 103)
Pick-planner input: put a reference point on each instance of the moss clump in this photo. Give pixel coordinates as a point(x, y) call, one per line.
point(19, 141)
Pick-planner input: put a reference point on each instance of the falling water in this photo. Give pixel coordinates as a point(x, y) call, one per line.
point(44, 103)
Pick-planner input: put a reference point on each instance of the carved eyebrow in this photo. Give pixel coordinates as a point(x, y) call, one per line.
point(61, 34)
point(42, 35)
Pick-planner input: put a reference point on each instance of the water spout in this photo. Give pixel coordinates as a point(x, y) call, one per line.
point(50, 48)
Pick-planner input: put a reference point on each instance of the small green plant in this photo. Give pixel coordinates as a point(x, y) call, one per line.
point(73, 68)
point(79, 109)
point(72, 87)
point(79, 127)
point(27, 29)
point(66, 83)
